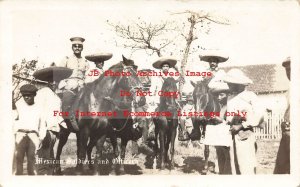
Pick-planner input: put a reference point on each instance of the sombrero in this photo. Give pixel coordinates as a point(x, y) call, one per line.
point(219, 87)
point(215, 55)
point(99, 57)
point(286, 62)
point(171, 61)
point(52, 73)
point(236, 76)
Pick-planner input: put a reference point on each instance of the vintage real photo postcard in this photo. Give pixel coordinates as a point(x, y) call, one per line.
point(143, 93)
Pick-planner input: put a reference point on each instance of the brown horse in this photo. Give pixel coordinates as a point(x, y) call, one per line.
point(204, 101)
point(166, 126)
point(92, 98)
point(122, 126)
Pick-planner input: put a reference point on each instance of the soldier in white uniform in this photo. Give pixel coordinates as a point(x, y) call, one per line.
point(72, 85)
point(49, 102)
point(242, 127)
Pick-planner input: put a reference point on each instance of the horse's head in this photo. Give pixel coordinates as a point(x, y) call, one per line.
point(129, 79)
point(201, 96)
point(169, 102)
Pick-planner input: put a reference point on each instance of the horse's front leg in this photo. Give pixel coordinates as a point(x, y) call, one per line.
point(173, 139)
point(92, 143)
point(83, 139)
point(123, 152)
point(78, 145)
point(162, 136)
point(99, 158)
point(156, 131)
point(63, 138)
point(206, 155)
point(114, 143)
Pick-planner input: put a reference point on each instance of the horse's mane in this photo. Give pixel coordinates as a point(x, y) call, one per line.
point(169, 83)
point(116, 66)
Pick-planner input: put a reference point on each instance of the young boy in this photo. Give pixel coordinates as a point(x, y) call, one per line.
point(29, 129)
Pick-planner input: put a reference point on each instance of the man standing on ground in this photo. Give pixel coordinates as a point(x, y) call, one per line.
point(283, 156)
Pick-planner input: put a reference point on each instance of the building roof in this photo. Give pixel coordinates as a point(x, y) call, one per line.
point(267, 78)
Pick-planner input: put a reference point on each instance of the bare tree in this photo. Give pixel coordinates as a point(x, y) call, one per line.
point(195, 18)
point(156, 37)
point(145, 36)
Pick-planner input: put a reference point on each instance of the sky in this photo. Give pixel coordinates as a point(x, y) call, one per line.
point(259, 32)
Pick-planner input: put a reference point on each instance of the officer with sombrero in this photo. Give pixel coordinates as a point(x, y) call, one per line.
point(48, 102)
point(98, 59)
point(164, 64)
point(242, 127)
point(213, 57)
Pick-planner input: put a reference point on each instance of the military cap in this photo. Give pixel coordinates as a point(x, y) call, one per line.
point(77, 40)
point(28, 89)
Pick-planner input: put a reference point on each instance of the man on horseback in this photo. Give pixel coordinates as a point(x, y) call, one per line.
point(163, 64)
point(213, 58)
point(98, 59)
point(72, 85)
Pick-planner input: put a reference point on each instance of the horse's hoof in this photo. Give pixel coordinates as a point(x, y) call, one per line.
point(116, 154)
point(172, 167)
point(57, 171)
point(95, 172)
point(91, 167)
point(121, 170)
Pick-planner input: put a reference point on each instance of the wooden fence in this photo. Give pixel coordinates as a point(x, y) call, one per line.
point(272, 129)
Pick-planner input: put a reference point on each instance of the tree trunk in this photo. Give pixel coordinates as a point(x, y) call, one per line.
point(189, 40)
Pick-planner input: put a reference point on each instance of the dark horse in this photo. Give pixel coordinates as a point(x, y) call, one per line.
point(122, 125)
point(204, 101)
point(92, 98)
point(166, 126)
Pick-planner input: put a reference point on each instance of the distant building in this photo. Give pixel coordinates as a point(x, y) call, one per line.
point(270, 83)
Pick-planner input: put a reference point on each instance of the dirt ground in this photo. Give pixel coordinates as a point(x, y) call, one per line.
point(188, 158)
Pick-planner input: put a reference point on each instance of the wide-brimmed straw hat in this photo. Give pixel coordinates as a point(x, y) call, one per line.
point(169, 60)
point(219, 87)
point(52, 73)
point(213, 55)
point(236, 76)
point(99, 57)
point(286, 62)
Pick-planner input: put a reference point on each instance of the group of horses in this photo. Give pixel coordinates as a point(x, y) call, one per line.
point(93, 131)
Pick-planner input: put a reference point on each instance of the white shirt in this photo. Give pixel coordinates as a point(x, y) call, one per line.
point(246, 101)
point(48, 102)
point(80, 67)
point(156, 85)
point(29, 118)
